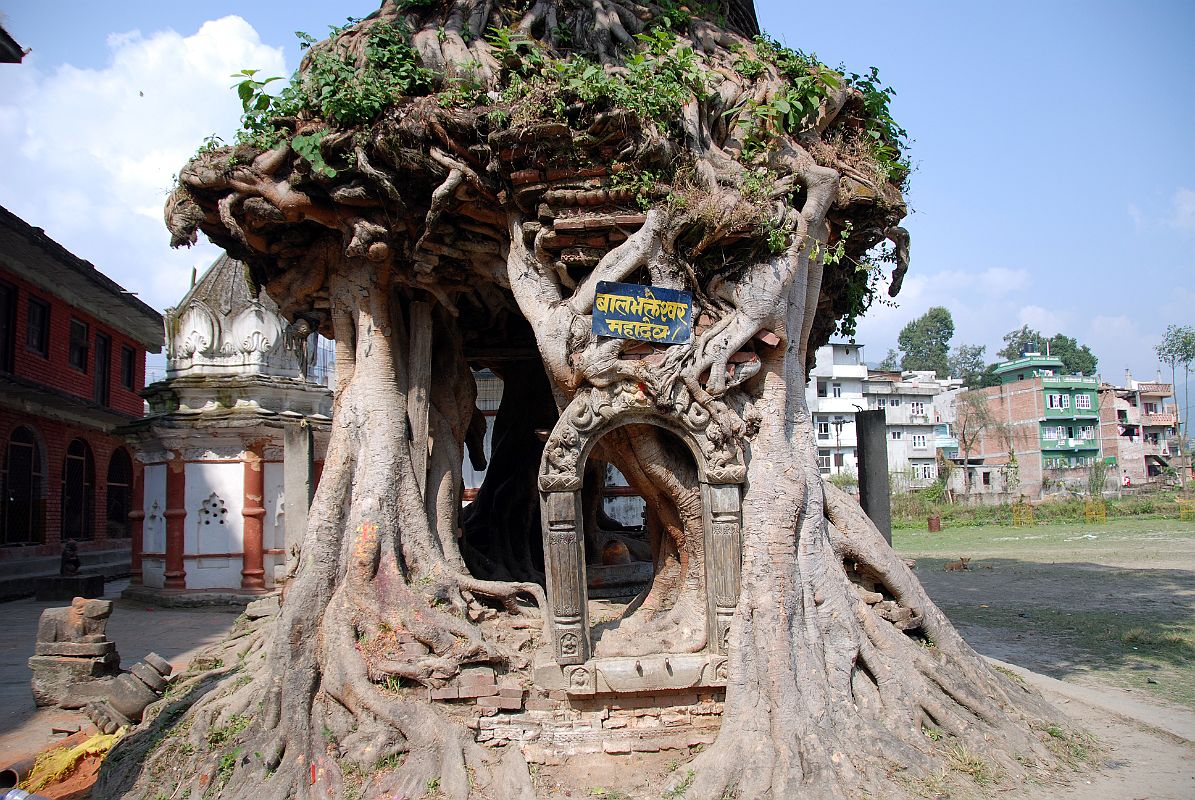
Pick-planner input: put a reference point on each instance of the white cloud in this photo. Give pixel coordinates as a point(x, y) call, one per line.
point(1183, 215)
point(1046, 321)
point(93, 152)
point(983, 303)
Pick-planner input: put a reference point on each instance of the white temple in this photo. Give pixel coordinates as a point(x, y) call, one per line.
point(234, 432)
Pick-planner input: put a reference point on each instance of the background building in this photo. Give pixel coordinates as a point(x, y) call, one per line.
point(72, 366)
point(834, 394)
point(1136, 424)
point(1043, 429)
point(907, 400)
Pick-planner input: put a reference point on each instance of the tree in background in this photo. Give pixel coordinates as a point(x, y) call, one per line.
point(1076, 359)
point(1178, 348)
point(1021, 341)
point(966, 362)
point(975, 421)
point(891, 361)
point(925, 342)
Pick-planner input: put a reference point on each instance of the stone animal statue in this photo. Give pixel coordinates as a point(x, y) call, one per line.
point(73, 659)
point(83, 621)
point(70, 558)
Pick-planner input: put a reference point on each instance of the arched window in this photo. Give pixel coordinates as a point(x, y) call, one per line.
point(78, 492)
point(120, 493)
point(22, 501)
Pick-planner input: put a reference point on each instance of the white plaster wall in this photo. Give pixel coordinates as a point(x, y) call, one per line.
point(153, 536)
point(274, 524)
point(222, 533)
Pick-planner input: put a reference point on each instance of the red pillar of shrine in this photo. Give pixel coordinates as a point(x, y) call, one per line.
point(176, 514)
point(252, 548)
point(137, 526)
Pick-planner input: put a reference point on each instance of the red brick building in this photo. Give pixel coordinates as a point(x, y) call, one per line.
point(72, 366)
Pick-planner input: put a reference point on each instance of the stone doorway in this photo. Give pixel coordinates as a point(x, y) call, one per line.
point(721, 471)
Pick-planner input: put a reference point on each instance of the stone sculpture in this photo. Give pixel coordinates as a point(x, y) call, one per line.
point(130, 694)
point(73, 659)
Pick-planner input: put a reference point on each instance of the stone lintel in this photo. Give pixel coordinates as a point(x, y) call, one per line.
point(663, 672)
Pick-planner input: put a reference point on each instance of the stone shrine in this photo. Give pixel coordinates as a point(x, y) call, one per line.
point(231, 445)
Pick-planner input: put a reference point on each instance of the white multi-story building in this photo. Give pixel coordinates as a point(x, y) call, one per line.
point(907, 400)
point(834, 395)
point(841, 385)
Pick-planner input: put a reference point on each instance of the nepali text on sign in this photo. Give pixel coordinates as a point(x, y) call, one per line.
point(647, 313)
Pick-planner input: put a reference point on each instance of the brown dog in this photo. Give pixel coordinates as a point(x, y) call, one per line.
point(955, 566)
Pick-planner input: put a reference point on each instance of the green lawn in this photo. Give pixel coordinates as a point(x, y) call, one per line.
point(1112, 603)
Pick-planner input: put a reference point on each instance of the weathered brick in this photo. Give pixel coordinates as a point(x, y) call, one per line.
point(542, 704)
point(467, 691)
point(510, 691)
point(443, 693)
point(505, 703)
point(617, 746)
point(477, 674)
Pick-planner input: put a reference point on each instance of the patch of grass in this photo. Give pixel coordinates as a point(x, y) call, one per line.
point(977, 767)
point(933, 786)
point(1070, 747)
point(1017, 679)
point(1118, 647)
point(682, 787)
point(608, 794)
point(221, 734)
point(392, 761)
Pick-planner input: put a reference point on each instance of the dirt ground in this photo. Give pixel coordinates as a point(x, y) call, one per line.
point(1110, 604)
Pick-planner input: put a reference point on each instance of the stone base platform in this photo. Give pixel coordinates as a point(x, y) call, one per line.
point(68, 587)
point(549, 730)
point(613, 705)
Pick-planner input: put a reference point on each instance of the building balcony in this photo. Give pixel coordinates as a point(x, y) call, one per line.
point(1069, 381)
point(837, 405)
point(1160, 420)
point(1159, 448)
point(1156, 389)
point(1070, 444)
point(1072, 413)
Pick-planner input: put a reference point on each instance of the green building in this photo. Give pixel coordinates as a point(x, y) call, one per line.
point(1067, 409)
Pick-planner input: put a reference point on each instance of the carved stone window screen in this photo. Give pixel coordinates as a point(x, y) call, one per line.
point(721, 470)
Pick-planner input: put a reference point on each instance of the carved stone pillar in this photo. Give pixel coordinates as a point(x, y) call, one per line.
point(137, 526)
point(253, 511)
point(723, 562)
point(564, 563)
point(176, 515)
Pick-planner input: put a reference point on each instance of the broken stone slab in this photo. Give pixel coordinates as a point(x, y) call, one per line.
point(128, 695)
point(68, 681)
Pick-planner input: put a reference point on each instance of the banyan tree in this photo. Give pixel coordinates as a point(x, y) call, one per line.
point(449, 186)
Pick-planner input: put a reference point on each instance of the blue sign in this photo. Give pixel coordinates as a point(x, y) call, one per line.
point(647, 313)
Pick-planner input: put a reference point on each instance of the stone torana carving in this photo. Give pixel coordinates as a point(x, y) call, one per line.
point(595, 411)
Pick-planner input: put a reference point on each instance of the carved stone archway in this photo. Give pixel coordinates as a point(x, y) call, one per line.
point(721, 470)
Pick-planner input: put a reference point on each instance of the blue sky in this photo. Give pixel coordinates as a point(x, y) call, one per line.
point(1054, 183)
